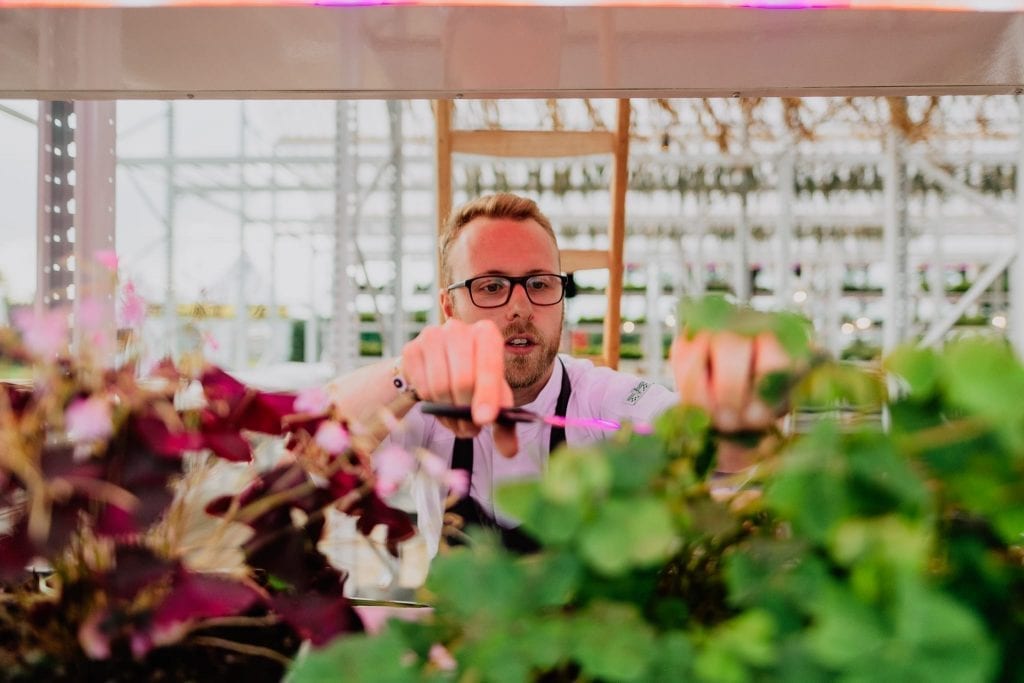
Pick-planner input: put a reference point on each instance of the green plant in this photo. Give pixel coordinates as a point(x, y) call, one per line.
point(846, 553)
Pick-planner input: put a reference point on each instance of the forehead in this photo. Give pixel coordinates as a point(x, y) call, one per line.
point(503, 245)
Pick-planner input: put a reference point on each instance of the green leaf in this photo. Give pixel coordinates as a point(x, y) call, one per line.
point(363, 659)
point(627, 533)
point(485, 582)
point(984, 377)
point(735, 649)
point(918, 367)
point(550, 523)
point(673, 659)
point(635, 463)
point(710, 312)
point(612, 642)
point(844, 630)
point(576, 475)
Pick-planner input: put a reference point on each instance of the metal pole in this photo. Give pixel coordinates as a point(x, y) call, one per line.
point(833, 289)
point(784, 226)
point(741, 275)
point(170, 305)
point(1017, 272)
point(95, 164)
point(896, 325)
point(344, 342)
point(398, 333)
point(311, 342)
point(241, 345)
point(652, 333)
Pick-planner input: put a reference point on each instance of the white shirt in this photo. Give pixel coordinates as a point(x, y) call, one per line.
point(597, 392)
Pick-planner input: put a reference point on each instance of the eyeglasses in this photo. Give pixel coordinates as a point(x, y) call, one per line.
point(492, 291)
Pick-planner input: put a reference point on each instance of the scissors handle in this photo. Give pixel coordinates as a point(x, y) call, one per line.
point(506, 416)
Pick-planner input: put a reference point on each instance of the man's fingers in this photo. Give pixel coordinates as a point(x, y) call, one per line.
point(731, 362)
point(435, 365)
point(463, 429)
point(461, 354)
point(689, 362)
point(769, 357)
point(489, 390)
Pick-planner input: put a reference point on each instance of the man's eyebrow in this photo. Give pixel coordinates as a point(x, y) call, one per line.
point(504, 273)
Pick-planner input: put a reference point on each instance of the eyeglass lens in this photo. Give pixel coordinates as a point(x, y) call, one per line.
point(492, 291)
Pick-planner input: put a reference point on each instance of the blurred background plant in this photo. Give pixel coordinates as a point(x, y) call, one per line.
point(848, 552)
point(138, 539)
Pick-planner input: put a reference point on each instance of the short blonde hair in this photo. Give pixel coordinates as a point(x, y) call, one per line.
point(501, 205)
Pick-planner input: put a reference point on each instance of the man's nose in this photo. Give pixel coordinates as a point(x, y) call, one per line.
point(519, 301)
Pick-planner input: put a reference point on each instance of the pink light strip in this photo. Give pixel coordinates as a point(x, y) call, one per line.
point(923, 5)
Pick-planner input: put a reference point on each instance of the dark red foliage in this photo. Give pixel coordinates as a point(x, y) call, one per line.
point(375, 511)
point(18, 397)
point(243, 407)
point(199, 596)
point(317, 617)
point(155, 434)
point(135, 568)
point(16, 551)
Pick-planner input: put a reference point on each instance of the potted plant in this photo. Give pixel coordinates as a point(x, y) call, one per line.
point(847, 552)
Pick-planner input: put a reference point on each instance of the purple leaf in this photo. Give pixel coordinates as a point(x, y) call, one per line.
point(317, 617)
point(135, 568)
point(198, 596)
point(16, 551)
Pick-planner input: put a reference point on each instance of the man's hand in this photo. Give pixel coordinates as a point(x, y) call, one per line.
point(720, 372)
point(463, 364)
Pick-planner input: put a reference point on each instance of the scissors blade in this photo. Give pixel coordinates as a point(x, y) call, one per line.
point(514, 415)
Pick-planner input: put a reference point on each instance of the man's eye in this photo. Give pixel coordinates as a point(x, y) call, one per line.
point(490, 286)
point(539, 285)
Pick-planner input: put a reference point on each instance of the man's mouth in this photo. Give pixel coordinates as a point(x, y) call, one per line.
point(520, 343)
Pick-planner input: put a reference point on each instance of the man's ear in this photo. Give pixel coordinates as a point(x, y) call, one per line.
point(447, 305)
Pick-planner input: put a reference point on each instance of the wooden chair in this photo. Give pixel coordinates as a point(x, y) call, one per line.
point(525, 144)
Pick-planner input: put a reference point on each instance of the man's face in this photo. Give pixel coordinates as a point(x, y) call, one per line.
point(489, 246)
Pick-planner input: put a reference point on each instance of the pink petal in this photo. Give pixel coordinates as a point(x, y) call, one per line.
point(433, 465)
point(106, 258)
point(394, 463)
point(457, 481)
point(332, 437)
point(90, 313)
point(313, 400)
point(441, 658)
point(133, 307)
point(88, 419)
point(44, 334)
point(210, 341)
point(92, 637)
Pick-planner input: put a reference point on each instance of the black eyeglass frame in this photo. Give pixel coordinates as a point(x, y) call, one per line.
point(513, 281)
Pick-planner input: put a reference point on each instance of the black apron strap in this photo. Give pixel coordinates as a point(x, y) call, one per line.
point(469, 508)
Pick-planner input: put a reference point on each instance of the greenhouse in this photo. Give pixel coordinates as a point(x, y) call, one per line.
point(275, 407)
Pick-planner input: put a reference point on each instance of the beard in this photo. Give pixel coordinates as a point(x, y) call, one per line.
point(522, 372)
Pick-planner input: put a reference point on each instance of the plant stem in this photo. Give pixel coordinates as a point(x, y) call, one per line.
point(253, 650)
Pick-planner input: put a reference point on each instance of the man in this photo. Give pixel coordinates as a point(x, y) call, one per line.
point(503, 295)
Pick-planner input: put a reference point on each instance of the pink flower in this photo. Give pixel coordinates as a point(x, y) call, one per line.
point(331, 437)
point(441, 658)
point(45, 334)
point(457, 481)
point(433, 465)
point(133, 308)
point(394, 464)
point(88, 419)
point(106, 258)
point(210, 341)
point(313, 400)
point(90, 313)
